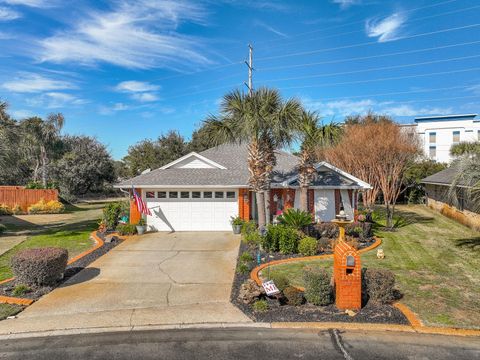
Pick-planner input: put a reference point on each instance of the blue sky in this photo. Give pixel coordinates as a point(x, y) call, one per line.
point(132, 69)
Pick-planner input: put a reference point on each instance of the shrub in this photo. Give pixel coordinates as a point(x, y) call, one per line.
point(246, 257)
point(42, 266)
point(324, 244)
point(281, 238)
point(17, 210)
point(260, 306)
point(5, 210)
point(253, 238)
point(378, 285)
point(112, 212)
point(307, 246)
point(293, 295)
point(353, 242)
point(296, 219)
point(126, 229)
point(326, 230)
point(243, 268)
point(281, 281)
point(236, 220)
point(318, 290)
point(249, 227)
point(43, 207)
point(359, 229)
point(20, 290)
point(3, 228)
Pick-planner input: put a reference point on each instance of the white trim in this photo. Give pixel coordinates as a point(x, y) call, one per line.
point(198, 156)
point(445, 116)
point(325, 187)
point(363, 184)
point(199, 186)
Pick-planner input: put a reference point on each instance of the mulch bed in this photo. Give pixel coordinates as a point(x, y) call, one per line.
point(278, 312)
point(36, 292)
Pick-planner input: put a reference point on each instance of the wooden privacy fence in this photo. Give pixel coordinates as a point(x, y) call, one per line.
point(13, 195)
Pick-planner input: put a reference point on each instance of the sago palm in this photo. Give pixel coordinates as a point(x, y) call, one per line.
point(263, 120)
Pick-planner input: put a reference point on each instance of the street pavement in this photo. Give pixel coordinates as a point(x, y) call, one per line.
point(243, 343)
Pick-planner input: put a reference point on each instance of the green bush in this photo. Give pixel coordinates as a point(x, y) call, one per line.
point(3, 228)
point(296, 218)
point(5, 210)
point(113, 212)
point(249, 227)
point(246, 257)
point(260, 306)
point(236, 220)
point(20, 290)
point(317, 286)
point(378, 285)
point(293, 295)
point(43, 266)
point(281, 281)
point(253, 238)
point(243, 268)
point(126, 229)
point(307, 246)
point(326, 230)
point(281, 238)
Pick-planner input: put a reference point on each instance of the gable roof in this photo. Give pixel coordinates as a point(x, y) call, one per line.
point(231, 170)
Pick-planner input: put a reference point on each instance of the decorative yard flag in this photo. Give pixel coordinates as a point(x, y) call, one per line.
point(141, 206)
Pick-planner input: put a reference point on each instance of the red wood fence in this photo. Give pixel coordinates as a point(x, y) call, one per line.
point(13, 195)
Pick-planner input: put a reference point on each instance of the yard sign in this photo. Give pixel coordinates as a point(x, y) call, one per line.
point(270, 288)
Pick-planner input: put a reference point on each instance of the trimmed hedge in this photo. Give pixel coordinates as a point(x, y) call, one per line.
point(281, 238)
point(378, 285)
point(318, 290)
point(307, 246)
point(44, 266)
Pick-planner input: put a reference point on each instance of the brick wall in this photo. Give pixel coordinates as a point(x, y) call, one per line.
point(348, 280)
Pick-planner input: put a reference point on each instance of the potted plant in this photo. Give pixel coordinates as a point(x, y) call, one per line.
point(237, 224)
point(141, 227)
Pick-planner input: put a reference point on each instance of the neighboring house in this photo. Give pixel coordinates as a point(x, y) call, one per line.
point(202, 191)
point(439, 133)
point(437, 188)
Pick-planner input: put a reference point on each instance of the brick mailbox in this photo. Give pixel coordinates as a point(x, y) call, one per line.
point(347, 272)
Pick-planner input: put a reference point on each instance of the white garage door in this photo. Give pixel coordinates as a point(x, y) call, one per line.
point(191, 210)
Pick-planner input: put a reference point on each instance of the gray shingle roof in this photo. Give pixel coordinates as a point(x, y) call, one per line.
point(444, 177)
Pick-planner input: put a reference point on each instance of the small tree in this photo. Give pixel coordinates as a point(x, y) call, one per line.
point(378, 151)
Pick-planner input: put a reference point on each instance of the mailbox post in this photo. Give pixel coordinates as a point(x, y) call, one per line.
point(347, 270)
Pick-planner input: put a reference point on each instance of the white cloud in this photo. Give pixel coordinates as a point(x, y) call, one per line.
point(33, 83)
point(21, 114)
point(475, 89)
point(344, 4)
point(144, 97)
point(271, 29)
point(32, 3)
point(7, 14)
point(138, 34)
point(347, 107)
point(109, 110)
point(386, 29)
point(136, 86)
point(55, 100)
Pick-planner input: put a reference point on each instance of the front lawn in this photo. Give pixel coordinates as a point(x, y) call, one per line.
point(7, 310)
point(436, 262)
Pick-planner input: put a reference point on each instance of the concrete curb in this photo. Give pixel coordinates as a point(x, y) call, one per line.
point(24, 301)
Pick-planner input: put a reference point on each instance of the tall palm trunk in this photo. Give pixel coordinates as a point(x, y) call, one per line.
point(306, 171)
point(256, 169)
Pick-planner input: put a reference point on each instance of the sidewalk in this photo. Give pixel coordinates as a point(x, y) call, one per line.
point(8, 242)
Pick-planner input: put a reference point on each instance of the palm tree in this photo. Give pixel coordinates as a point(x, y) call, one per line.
point(313, 137)
point(263, 120)
point(467, 180)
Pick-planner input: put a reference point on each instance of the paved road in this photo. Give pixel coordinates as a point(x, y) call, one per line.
point(243, 343)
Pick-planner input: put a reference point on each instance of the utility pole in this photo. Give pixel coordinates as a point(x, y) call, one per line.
point(250, 69)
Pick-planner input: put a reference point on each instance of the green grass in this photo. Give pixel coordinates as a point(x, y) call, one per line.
point(7, 310)
point(436, 262)
point(71, 234)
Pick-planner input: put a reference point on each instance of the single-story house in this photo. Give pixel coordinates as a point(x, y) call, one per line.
point(437, 189)
point(202, 191)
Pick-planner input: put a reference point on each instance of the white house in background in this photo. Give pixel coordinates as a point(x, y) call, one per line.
point(439, 133)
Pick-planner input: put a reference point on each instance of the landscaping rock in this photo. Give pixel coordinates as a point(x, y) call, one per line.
point(111, 238)
point(250, 291)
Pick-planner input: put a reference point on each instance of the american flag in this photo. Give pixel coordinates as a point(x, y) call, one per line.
point(141, 206)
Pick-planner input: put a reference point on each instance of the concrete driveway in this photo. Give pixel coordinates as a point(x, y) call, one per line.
point(156, 279)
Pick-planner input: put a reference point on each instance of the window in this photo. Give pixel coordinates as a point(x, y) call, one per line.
point(456, 136)
point(433, 151)
point(218, 194)
point(185, 194)
point(150, 194)
point(230, 194)
point(196, 194)
point(162, 194)
point(207, 194)
point(173, 194)
point(433, 137)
